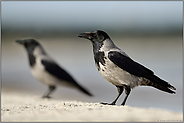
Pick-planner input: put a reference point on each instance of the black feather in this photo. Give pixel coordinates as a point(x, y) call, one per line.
point(137, 69)
point(59, 73)
point(128, 64)
point(99, 58)
point(32, 60)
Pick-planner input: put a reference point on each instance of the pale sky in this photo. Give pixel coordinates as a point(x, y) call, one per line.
point(79, 14)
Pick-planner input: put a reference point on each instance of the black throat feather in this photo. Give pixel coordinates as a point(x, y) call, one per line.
point(32, 59)
point(99, 56)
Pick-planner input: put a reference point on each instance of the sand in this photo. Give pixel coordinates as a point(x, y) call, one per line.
point(22, 107)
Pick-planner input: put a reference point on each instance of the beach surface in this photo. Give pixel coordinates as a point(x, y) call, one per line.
point(22, 107)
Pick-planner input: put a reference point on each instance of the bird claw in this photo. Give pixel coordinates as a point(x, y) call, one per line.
point(107, 103)
point(46, 97)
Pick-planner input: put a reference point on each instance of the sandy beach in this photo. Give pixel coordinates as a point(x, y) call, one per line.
point(22, 107)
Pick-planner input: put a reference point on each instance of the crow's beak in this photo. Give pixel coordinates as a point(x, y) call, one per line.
point(81, 35)
point(85, 35)
point(20, 41)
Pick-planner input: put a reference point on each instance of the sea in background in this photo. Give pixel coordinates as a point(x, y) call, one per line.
point(150, 32)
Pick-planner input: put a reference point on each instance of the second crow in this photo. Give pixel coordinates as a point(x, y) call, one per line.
point(46, 70)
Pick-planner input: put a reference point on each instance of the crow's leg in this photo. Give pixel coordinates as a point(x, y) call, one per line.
point(50, 90)
point(120, 91)
point(127, 91)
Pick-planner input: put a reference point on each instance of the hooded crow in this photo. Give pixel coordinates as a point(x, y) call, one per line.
point(119, 69)
point(46, 70)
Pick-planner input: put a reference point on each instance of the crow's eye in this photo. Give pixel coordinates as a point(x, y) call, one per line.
point(25, 44)
point(93, 34)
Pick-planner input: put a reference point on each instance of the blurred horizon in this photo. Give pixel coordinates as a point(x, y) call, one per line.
point(116, 17)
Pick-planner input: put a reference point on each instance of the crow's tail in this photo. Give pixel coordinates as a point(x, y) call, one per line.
point(84, 91)
point(161, 84)
point(166, 89)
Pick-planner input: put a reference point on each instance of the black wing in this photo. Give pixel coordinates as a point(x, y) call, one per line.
point(129, 65)
point(56, 71)
point(137, 69)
